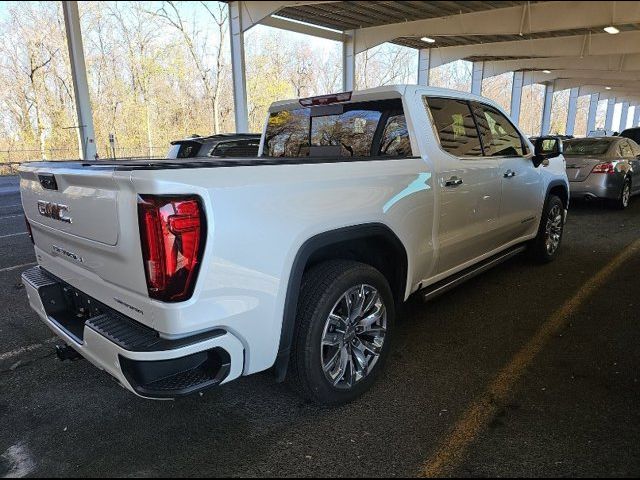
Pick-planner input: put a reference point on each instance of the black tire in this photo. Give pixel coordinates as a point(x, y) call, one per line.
point(539, 249)
point(622, 202)
point(322, 288)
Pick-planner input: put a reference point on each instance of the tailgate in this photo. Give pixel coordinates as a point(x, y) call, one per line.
point(78, 203)
point(84, 222)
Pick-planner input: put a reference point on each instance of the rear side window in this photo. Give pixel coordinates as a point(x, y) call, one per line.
point(625, 149)
point(395, 137)
point(499, 137)
point(456, 128)
point(360, 129)
point(288, 133)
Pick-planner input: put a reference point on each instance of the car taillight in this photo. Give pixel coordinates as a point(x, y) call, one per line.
point(29, 229)
point(172, 232)
point(604, 168)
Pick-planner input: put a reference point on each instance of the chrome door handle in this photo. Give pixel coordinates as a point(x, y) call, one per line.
point(509, 174)
point(453, 182)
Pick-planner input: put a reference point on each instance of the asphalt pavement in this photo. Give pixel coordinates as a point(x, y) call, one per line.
point(573, 411)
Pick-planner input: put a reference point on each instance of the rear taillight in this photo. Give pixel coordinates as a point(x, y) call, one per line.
point(604, 168)
point(172, 232)
point(29, 229)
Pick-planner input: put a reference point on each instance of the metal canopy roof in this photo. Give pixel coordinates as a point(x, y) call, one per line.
point(361, 14)
point(521, 34)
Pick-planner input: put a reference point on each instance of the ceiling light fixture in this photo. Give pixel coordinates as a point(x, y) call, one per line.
point(428, 40)
point(611, 30)
point(607, 88)
point(546, 71)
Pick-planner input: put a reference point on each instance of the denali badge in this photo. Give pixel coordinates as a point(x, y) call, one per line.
point(54, 210)
point(66, 253)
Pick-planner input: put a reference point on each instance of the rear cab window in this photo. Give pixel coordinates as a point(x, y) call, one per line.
point(348, 130)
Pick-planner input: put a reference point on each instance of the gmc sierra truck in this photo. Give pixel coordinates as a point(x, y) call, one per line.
point(175, 276)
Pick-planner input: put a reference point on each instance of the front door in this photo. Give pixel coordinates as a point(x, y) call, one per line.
point(522, 182)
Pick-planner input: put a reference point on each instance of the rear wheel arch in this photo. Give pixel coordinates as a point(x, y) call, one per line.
point(374, 244)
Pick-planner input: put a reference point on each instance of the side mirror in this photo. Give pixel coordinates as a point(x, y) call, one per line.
point(546, 148)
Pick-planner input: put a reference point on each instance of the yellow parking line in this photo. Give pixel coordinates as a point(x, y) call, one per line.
point(485, 407)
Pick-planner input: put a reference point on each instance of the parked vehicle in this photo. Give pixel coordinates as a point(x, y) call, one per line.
point(632, 133)
point(178, 276)
point(603, 168)
point(222, 145)
point(600, 133)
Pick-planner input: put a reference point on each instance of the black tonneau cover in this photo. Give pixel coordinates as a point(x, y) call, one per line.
point(200, 162)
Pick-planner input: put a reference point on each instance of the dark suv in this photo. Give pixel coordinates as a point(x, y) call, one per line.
point(222, 145)
point(632, 133)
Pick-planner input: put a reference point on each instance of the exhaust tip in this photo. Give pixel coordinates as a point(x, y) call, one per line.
point(65, 352)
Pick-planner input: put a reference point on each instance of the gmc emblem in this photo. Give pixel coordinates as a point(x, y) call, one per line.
point(55, 211)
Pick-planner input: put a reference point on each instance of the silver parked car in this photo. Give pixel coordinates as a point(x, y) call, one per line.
point(603, 167)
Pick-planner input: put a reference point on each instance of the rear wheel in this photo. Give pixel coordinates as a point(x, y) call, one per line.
point(345, 316)
point(544, 247)
point(624, 198)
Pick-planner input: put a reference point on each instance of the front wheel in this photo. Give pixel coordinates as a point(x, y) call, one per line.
point(544, 247)
point(344, 320)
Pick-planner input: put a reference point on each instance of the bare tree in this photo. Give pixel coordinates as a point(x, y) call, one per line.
point(210, 77)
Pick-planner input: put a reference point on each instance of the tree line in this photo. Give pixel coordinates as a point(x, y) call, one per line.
point(160, 70)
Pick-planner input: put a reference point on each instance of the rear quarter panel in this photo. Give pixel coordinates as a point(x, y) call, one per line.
point(258, 218)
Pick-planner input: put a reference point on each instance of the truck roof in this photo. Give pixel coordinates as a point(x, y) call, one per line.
point(392, 91)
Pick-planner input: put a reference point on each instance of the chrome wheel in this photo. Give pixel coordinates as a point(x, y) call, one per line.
point(626, 194)
point(553, 229)
point(353, 336)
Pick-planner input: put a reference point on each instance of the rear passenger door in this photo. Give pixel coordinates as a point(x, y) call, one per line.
point(468, 185)
point(521, 180)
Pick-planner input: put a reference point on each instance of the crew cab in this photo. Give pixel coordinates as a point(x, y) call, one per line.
point(177, 276)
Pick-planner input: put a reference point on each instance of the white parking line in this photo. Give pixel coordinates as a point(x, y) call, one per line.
point(12, 235)
point(19, 460)
point(11, 206)
point(27, 349)
point(7, 269)
point(11, 216)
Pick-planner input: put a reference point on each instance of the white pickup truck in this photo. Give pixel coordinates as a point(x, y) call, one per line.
point(178, 275)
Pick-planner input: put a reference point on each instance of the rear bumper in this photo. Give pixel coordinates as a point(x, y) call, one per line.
point(135, 355)
point(598, 186)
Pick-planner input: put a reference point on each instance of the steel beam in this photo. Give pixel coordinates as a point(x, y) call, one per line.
point(572, 111)
point(424, 65)
point(238, 71)
point(516, 96)
point(624, 113)
point(477, 74)
point(593, 110)
point(608, 122)
point(546, 109)
point(86, 135)
point(348, 62)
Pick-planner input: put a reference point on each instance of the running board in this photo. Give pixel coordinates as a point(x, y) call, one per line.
point(437, 289)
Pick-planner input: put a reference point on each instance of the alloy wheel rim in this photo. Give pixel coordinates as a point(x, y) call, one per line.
point(553, 229)
point(626, 194)
point(353, 336)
